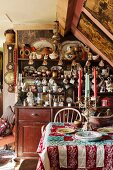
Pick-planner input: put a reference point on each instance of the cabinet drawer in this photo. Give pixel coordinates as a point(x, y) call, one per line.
point(41, 115)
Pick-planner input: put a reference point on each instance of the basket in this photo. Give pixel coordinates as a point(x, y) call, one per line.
point(10, 36)
point(101, 121)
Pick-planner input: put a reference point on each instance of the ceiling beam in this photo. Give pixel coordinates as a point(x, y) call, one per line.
point(65, 10)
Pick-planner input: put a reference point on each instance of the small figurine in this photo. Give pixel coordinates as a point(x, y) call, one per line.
point(30, 99)
point(21, 97)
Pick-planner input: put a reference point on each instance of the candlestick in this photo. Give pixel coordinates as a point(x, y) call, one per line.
point(80, 84)
point(95, 83)
point(86, 86)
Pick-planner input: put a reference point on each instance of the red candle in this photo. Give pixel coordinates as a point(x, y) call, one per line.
point(80, 83)
point(95, 83)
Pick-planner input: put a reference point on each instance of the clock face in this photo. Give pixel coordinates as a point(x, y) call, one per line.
point(9, 77)
point(10, 66)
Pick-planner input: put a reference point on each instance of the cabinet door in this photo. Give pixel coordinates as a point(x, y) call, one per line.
point(28, 138)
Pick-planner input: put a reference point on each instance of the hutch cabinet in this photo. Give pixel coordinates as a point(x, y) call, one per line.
point(47, 81)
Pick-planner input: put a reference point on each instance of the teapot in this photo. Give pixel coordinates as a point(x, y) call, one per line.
point(105, 72)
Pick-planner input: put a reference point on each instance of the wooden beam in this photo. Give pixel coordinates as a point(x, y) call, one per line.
point(77, 11)
point(65, 10)
point(32, 26)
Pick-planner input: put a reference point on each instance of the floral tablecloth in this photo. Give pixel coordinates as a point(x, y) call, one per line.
point(63, 151)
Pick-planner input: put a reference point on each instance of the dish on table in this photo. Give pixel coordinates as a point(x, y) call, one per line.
point(105, 129)
point(65, 130)
point(88, 135)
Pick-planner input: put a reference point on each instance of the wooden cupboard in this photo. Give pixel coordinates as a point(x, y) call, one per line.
point(29, 121)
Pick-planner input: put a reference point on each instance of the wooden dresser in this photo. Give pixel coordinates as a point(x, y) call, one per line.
point(29, 121)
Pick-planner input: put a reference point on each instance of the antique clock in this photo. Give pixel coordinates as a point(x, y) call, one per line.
point(9, 75)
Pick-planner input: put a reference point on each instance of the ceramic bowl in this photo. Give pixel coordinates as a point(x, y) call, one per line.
point(101, 121)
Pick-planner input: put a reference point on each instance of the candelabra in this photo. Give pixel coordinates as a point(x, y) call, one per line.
point(86, 102)
point(86, 114)
point(87, 107)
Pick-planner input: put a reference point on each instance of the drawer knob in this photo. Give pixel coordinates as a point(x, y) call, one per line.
point(35, 114)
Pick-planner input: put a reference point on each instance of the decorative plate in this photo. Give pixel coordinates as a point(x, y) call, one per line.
point(58, 68)
point(42, 68)
point(65, 130)
point(29, 68)
point(106, 129)
point(73, 45)
point(88, 135)
point(41, 44)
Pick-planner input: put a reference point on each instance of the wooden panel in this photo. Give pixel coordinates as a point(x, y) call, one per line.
point(28, 129)
point(41, 115)
point(48, 26)
point(77, 11)
point(28, 139)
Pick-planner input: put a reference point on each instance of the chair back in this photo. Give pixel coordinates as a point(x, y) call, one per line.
point(67, 115)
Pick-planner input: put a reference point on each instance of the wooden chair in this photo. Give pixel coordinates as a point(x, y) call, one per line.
point(67, 115)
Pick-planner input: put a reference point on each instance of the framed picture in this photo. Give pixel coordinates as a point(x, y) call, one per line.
point(96, 36)
point(102, 10)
